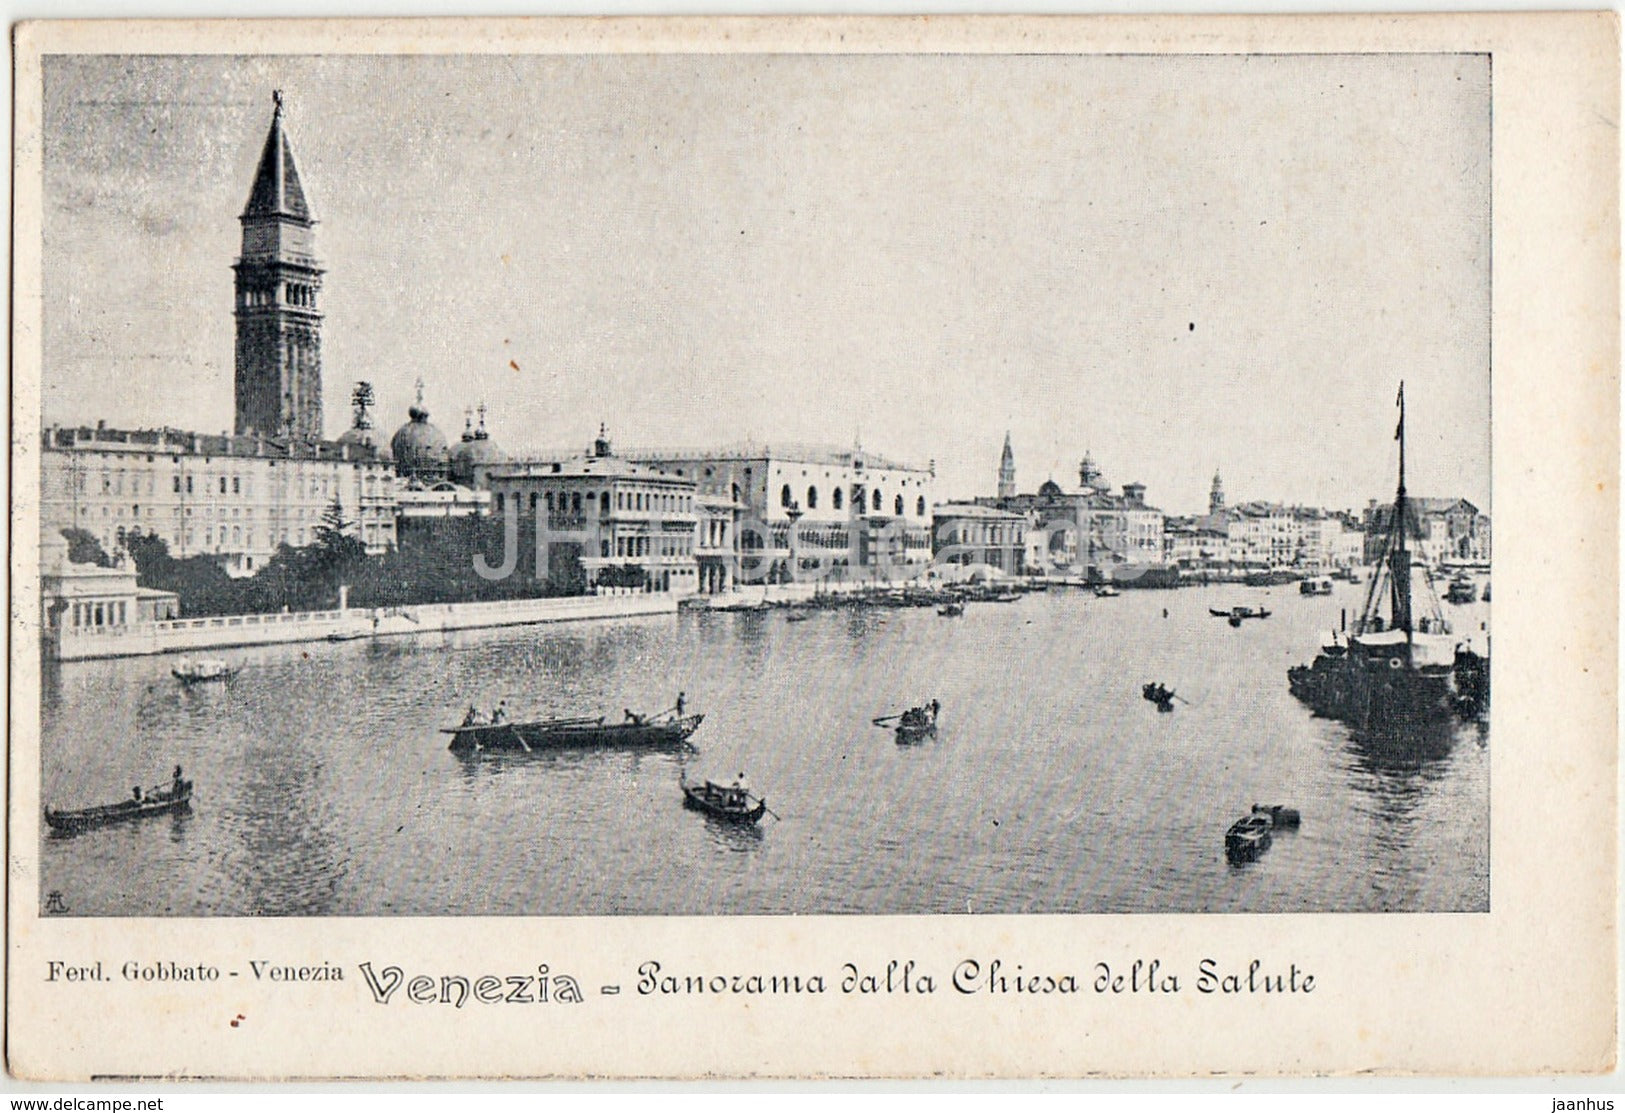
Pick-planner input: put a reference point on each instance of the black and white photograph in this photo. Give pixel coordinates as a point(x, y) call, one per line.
point(765, 484)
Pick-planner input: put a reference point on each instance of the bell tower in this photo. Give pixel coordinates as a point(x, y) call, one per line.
point(1007, 471)
point(279, 325)
point(1215, 496)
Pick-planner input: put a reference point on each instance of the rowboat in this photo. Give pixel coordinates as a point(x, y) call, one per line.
point(176, 796)
point(951, 610)
point(1248, 837)
point(188, 671)
point(668, 729)
point(1159, 694)
point(1279, 815)
point(734, 805)
point(1236, 615)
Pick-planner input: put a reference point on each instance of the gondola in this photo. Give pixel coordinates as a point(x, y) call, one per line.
point(177, 796)
point(1159, 694)
point(543, 734)
point(734, 805)
point(951, 610)
point(188, 671)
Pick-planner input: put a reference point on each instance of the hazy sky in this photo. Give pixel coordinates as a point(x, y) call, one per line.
point(1177, 264)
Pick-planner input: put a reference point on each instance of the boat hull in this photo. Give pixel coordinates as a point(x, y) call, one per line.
point(530, 737)
point(1378, 693)
point(84, 819)
point(696, 798)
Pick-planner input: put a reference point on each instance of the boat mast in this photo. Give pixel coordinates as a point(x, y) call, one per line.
point(1401, 569)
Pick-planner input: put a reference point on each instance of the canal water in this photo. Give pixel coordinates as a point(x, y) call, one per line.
point(325, 788)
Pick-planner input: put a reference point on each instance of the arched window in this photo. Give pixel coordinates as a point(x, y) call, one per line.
point(603, 505)
point(877, 498)
point(838, 497)
point(919, 507)
point(812, 498)
point(575, 503)
point(784, 496)
point(736, 493)
point(897, 506)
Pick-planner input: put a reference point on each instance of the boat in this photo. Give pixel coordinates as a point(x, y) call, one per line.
point(1248, 837)
point(797, 616)
point(1320, 585)
point(731, 803)
point(1279, 815)
point(1394, 674)
point(914, 725)
point(668, 729)
point(1462, 590)
point(1159, 694)
point(173, 797)
point(189, 671)
point(1236, 615)
point(951, 610)
point(1106, 591)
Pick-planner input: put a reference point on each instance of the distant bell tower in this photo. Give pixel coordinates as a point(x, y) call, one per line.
point(1007, 471)
point(1215, 497)
point(279, 326)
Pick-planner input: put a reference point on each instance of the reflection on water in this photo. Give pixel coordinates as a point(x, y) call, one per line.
point(324, 785)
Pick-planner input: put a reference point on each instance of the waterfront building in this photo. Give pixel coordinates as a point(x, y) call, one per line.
point(605, 522)
point(1259, 535)
point(279, 323)
point(970, 535)
point(90, 598)
point(832, 514)
point(1445, 530)
point(234, 499)
point(1092, 531)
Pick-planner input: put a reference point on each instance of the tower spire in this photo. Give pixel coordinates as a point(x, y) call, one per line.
point(1007, 470)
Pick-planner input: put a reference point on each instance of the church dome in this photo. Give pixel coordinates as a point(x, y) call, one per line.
point(419, 448)
point(1050, 490)
point(365, 437)
point(475, 450)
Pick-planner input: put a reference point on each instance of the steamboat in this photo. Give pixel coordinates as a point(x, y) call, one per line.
point(1395, 673)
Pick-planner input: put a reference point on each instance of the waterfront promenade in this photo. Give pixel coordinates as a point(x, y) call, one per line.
point(226, 631)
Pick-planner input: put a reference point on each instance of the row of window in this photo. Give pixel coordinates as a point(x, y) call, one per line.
point(665, 545)
point(99, 614)
point(113, 484)
point(837, 499)
point(296, 293)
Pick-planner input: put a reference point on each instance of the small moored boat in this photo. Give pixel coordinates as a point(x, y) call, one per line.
point(1320, 585)
point(733, 803)
point(175, 796)
point(189, 671)
point(1279, 815)
point(1248, 837)
point(951, 610)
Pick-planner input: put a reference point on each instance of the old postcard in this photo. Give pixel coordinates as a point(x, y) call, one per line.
point(818, 548)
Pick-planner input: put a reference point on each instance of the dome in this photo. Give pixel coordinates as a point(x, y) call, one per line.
point(419, 448)
point(365, 437)
point(475, 450)
point(1050, 490)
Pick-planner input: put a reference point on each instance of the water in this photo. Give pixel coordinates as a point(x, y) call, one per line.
point(323, 786)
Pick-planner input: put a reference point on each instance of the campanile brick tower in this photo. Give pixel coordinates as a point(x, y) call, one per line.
point(279, 326)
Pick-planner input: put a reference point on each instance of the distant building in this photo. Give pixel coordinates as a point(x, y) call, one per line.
point(1091, 531)
point(1443, 530)
point(231, 498)
point(969, 535)
point(606, 522)
point(829, 513)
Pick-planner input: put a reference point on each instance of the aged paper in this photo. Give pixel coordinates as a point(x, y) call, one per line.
point(1169, 244)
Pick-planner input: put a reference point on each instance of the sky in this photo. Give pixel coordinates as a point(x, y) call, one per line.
point(1178, 265)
